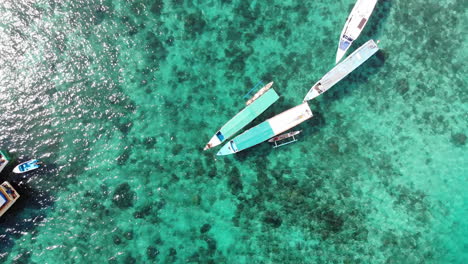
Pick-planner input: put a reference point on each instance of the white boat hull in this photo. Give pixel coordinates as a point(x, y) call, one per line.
point(340, 71)
point(354, 25)
point(27, 166)
point(268, 129)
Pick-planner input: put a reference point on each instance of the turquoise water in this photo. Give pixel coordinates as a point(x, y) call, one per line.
point(118, 98)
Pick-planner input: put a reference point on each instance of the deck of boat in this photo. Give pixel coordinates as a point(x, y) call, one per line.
point(344, 68)
point(268, 129)
point(243, 118)
point(354, 25)
point(358, 17)
point(249, 113)
point(8, 196)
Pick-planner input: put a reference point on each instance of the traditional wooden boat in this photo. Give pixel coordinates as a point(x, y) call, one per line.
point(354, 25)
point(268, 129)
point(341, 70)
point(260, 92)
point(257, 105)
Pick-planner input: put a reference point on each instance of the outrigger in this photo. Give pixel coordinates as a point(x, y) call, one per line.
point(283, 137)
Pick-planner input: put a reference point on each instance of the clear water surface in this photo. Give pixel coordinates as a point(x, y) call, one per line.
point(119, 97)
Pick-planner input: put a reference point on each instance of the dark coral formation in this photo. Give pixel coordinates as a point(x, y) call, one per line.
point(205, 228)
point(273, 219)
point(152, 252)
point(235, 181)
point(459, 139)
point(123, 196)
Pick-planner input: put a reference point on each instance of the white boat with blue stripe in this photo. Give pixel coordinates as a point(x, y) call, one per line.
point(355, 23)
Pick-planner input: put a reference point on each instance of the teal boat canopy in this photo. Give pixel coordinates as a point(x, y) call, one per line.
point(254, 136)
point(267, 129)
point(247, 115)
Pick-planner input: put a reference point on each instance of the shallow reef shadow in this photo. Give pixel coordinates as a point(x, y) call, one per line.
point(376, 21)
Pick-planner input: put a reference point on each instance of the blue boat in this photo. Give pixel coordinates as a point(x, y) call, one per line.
point(27, 166)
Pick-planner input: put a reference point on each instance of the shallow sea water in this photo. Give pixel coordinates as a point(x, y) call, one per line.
point(118, 98)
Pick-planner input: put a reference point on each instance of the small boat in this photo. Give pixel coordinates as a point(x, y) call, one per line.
point(344, 68)
point(8, 196)
point(268, 129)
point(257, 105)
point(27, 166)
point(4, 159)
point(283, 137)
point(354, 25)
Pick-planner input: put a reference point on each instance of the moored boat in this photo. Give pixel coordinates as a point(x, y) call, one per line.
point(27, 166)
point(268, 129)
point(354, 25)
point(4, 159)
point(8, 196)
point(245, 116)
point(344, 68)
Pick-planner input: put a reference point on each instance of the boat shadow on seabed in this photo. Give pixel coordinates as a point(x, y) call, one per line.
point(376, 21)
